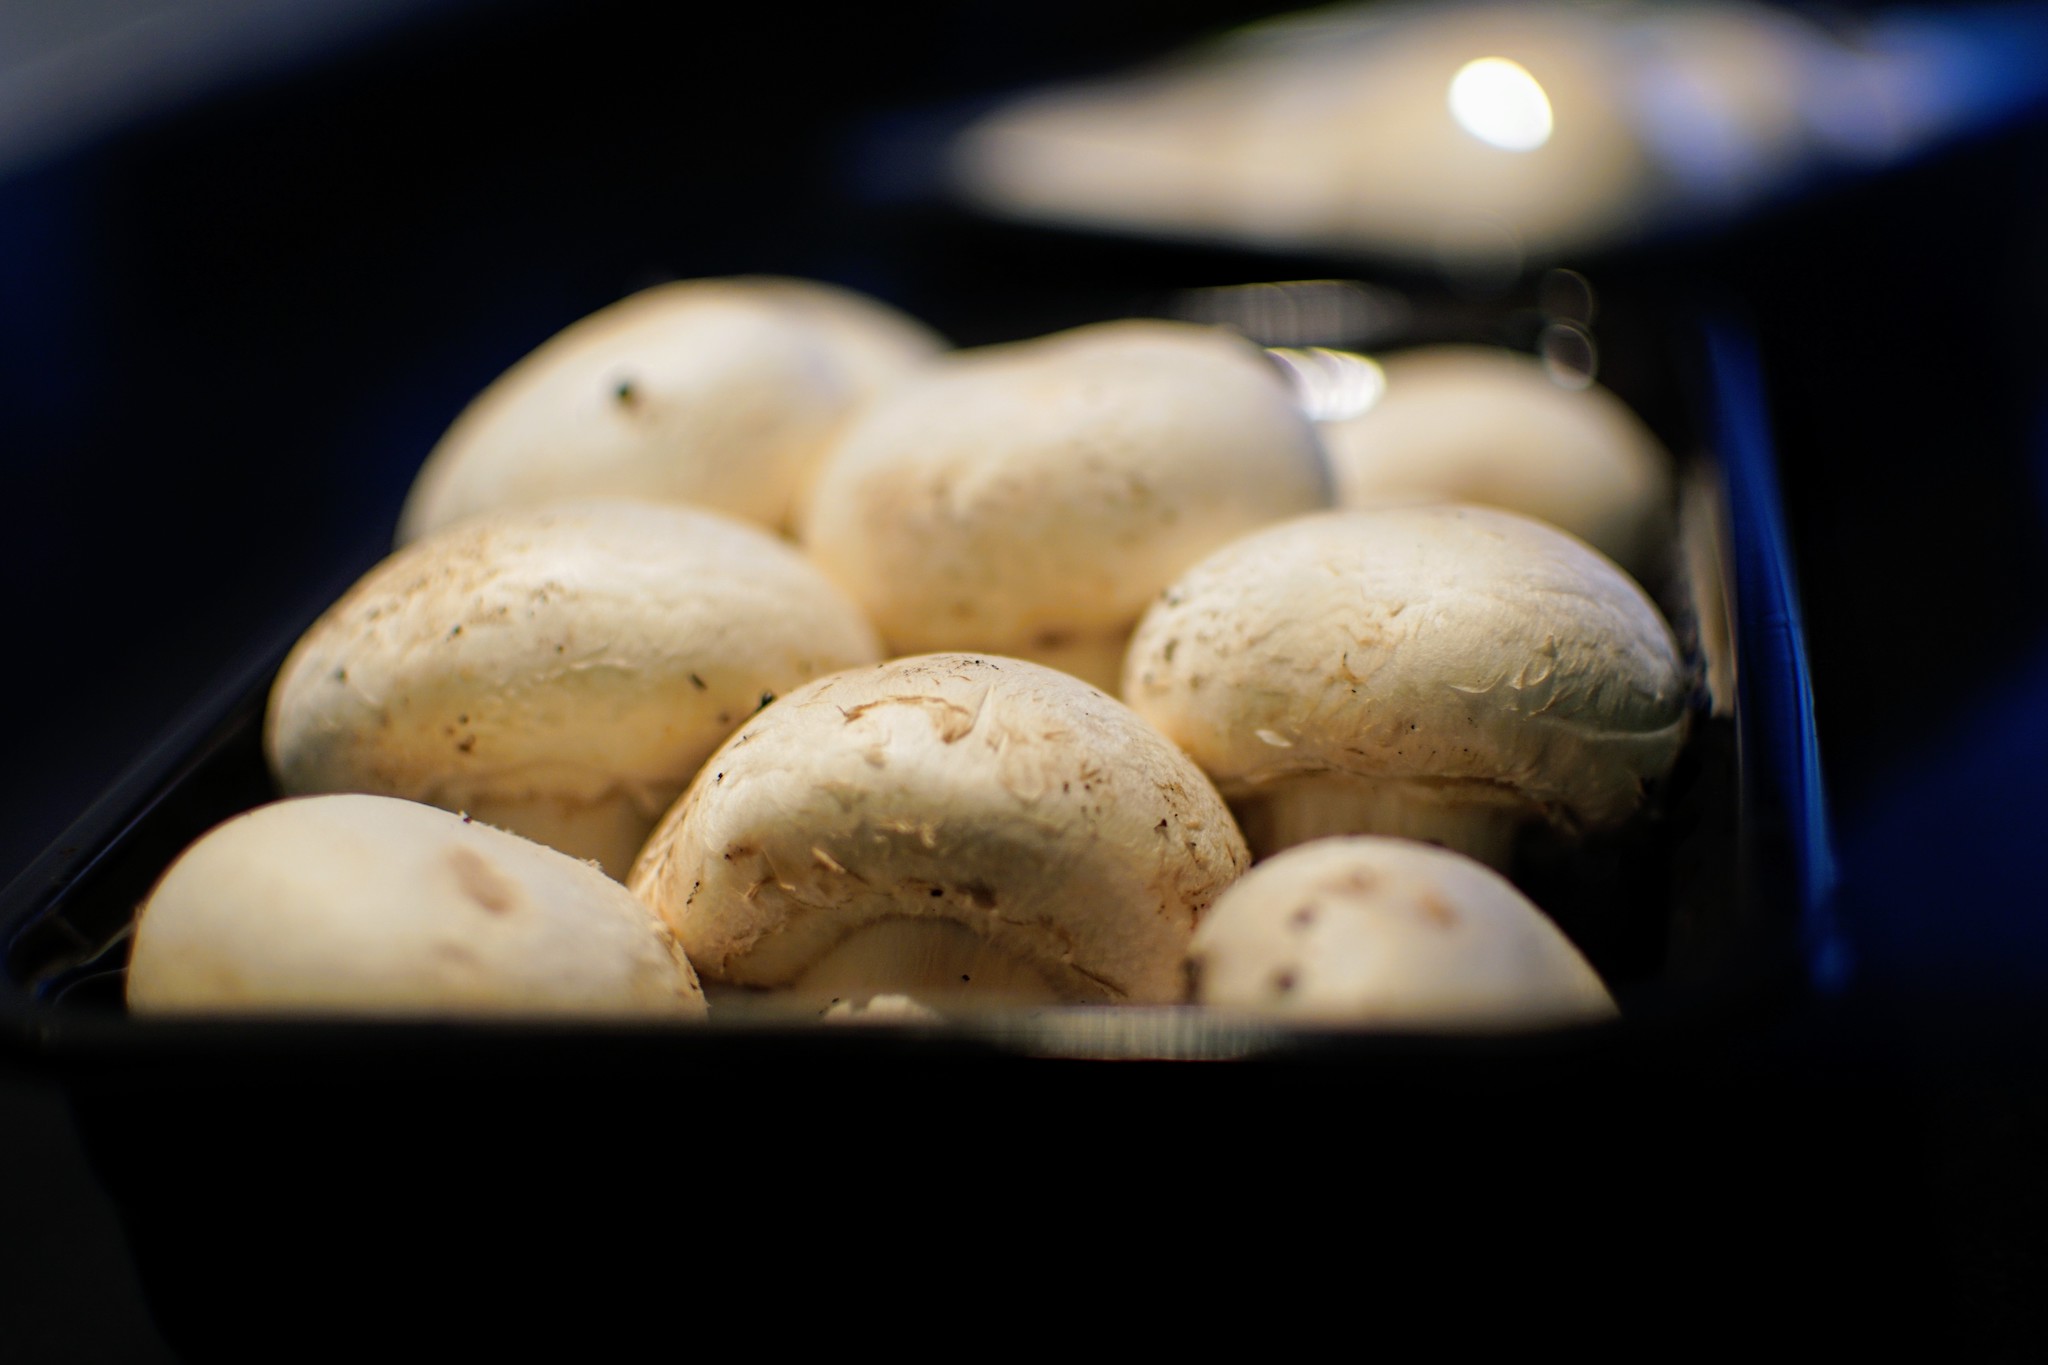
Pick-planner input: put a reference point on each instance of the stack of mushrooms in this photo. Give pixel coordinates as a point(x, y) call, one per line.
point(747, 652)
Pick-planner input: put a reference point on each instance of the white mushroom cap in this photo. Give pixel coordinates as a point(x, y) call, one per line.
point(1030, 499)
point(368, 905)
point(1389, 932)
point(723, 393)
point(559, 671)
point(946, 828)
point(1485, 425)
point(1438, 671)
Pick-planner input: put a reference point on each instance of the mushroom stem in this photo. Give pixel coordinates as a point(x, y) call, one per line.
point(606, 830)
point(934, 962)
point(1097, 659)
point(1334, 803)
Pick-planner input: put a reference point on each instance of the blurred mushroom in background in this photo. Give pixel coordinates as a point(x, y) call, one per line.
point(1488, 425)
point(1482, 138)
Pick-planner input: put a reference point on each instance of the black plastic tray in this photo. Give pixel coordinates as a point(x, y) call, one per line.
point(500, 1182)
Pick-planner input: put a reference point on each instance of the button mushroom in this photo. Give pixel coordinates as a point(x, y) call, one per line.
point(557, 671)
point(1484, 425)
point(1029, 499)
point(947, 829)
point(1443, 672)
point(721, 392)
point(369, 905)
point(1388, 932)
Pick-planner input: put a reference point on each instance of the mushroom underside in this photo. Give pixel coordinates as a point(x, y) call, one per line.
point(1478, 817)
point(940, 964)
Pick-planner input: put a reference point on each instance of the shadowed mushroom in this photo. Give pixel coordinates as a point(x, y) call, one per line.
point(948, 829)
point(1442, 672)
point(1483, 425)
point(557, 671)
point(1388, 932)
point(370, 905)
point(722, 393)
point(1031, 498)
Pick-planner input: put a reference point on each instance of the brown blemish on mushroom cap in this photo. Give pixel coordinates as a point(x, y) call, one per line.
point(1436, 909)
point(481, 882)
point(953, 721)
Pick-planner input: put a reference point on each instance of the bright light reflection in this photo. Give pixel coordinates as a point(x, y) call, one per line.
point(1331, 385)
point(1500, 103)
